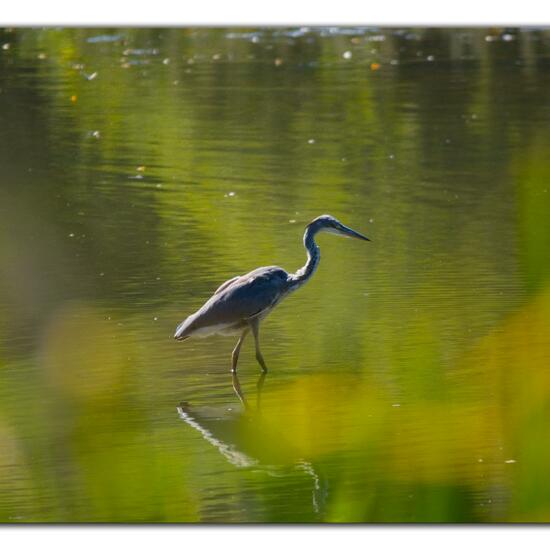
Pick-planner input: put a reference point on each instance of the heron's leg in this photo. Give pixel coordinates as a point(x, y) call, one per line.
point(255, 326)
point(235, 354)
point(238, 391)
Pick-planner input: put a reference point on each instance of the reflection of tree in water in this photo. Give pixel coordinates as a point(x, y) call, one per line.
point(245, 441)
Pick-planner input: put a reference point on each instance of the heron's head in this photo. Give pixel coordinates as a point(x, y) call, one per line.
point(331, 225)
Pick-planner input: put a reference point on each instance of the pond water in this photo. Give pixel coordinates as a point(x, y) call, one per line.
point(409, 379)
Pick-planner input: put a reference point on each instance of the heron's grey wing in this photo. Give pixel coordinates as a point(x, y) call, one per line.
point(226, 284)
point(245, 298)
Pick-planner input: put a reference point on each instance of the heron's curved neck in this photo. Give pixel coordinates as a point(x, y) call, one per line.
point(313, 257)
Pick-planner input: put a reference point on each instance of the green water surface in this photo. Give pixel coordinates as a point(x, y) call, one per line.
point(409, 379)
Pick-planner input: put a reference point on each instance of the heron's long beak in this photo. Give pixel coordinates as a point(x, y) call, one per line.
point(348, 232)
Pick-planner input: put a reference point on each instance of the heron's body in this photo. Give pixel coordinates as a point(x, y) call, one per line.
point(236, 302)
point(240, 303)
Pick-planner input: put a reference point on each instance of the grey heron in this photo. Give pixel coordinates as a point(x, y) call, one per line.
point(239, 304)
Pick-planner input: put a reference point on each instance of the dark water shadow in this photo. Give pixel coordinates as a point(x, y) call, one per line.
point(246, 440)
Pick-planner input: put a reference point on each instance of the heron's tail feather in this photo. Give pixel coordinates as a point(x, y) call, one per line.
point(184, 329)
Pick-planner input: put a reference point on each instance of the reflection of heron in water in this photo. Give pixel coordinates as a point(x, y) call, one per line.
point(242, 438)
point(240, 303)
